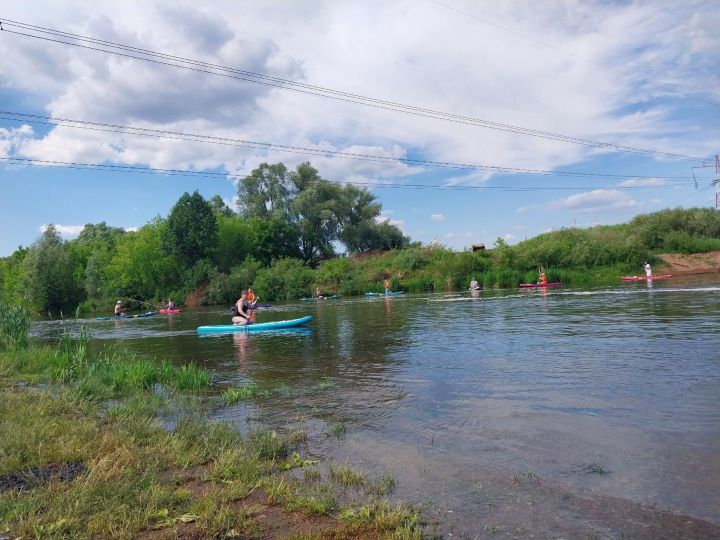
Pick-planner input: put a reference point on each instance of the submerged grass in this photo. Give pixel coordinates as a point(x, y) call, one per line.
point(104, 414)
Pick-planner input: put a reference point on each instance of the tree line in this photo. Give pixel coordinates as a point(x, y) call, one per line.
point(283, 241)
point(289, 216)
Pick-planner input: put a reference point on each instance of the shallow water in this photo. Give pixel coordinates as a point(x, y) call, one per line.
point(472, 403)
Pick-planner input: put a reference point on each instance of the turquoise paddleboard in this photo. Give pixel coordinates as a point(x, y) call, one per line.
point(117, 318)
point(257, 327)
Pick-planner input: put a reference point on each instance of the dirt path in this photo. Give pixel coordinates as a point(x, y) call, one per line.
point(697, 263)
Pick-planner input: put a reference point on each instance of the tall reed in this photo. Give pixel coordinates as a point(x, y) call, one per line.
point(14, 326)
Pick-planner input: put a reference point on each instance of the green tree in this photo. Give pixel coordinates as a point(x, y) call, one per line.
point(191, 232)
point(140, 268)
point(219, 207)
point(266, 191)
point(47, 280)
point(318, 210)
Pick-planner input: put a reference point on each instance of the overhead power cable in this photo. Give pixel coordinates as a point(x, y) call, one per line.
point(319, 152)
point(224, 176)
point(86, 42)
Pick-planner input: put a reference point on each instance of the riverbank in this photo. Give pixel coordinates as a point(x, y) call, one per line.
point(118, 446)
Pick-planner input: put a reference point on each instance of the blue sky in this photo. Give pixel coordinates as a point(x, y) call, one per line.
point(639, 74)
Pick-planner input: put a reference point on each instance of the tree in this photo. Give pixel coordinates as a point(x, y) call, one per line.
point(140, 268)
point(191, 232)
point(303, 176)
point(317, 210)
point(47, 280)
point(219, 207)
point(370, 235)
point(265, 192)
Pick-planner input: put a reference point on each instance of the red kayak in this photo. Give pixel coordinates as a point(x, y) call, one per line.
point(529, 285)
point(644, 278)
point(170, 311)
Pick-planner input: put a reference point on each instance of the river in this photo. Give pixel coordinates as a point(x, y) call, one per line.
point(542, 413)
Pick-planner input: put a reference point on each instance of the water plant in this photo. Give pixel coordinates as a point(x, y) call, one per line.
point(336, 429)
point(14, 327)
point(347, 476)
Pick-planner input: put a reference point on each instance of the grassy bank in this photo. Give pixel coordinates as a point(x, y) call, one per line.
point(86, 452)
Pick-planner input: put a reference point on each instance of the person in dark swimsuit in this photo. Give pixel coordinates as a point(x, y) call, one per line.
point(243, 310)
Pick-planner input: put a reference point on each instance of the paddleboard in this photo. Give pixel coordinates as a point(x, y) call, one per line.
point(397, 293)
point(645, 278)
point(531, 285)
point(333, 297)
point(116, 318)
point(257, 327)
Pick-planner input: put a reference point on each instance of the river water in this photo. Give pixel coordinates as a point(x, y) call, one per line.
point(541, 413)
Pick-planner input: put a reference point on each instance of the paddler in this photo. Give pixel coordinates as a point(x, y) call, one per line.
point(386, 284)
point(543, 279)
point(242, 310)
point(318, 294)
point(170, 304)
point(118, 309)
point(648, 270)
point(474, 285)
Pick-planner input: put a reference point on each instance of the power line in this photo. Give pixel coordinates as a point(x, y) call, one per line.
point(569, 53)
point(226, 141)
point(224, 176)
point(76, 40)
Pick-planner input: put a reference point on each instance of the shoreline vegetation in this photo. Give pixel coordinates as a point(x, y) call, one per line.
point(113, 445)
point(282, 242)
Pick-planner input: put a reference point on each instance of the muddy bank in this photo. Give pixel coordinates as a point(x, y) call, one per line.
point(697, 263)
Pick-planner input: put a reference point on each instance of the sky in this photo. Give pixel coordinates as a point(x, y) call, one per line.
point(636, 74)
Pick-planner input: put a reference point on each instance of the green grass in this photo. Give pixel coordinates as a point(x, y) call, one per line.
point(347, 476)
point(14, 326)
point(103, 411)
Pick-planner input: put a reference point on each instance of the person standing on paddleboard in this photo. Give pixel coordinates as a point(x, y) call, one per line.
point(386, 284)
point(118, 309)
point(648, 270)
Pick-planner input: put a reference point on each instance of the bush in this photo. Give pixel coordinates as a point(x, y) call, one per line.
point(286, 279)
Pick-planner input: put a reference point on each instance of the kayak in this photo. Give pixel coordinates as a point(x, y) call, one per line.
point(530, 285)
point(170, 311)
point(257, 327)
point(118, 317)
point(397, 293)
point(333, 297)
point(644, 278)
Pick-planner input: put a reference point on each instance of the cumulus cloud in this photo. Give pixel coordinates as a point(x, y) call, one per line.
point(643, 182)
point(437, 217)
point(381, 52)
point(597, 201)
point(66, 231)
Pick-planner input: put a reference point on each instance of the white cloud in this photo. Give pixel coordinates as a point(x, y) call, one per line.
point(597, 201)
point(520, 228)
point(437, 217)
point(643, 182)
point(66, 231)
point(380, 51)
point(656, 201)
point(132, 229)
point(450, 235)
point(508, 237)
